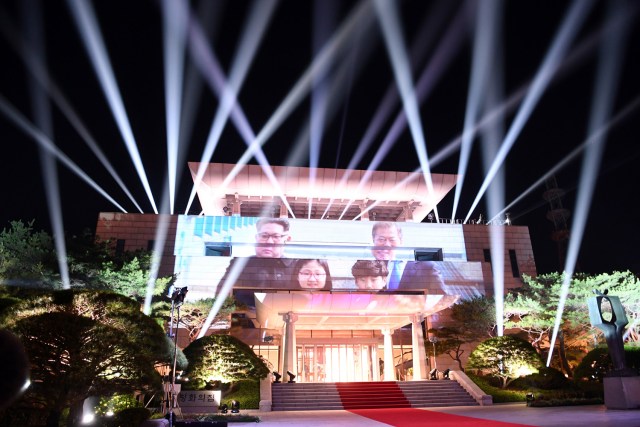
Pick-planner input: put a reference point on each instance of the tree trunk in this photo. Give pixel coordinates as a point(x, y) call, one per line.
point(75, 414)
point(563, 354)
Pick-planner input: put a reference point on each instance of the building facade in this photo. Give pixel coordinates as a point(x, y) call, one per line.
point(342, 272)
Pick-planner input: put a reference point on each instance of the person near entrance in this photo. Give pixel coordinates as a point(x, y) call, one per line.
point(402, 275)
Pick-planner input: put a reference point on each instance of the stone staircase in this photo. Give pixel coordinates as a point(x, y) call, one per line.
point(361, 395)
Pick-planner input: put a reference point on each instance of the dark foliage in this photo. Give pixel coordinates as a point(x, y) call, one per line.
point(544, 379)
point(595, 365)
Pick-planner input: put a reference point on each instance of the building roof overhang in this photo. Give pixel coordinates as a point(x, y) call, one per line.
point(346, 311)
point(319, 193)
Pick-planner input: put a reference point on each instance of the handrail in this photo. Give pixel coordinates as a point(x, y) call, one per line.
point(471, 388)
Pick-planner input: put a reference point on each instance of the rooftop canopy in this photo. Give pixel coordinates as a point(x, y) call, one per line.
point(391, 196)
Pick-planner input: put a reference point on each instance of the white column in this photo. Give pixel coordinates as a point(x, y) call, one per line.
point(289, 360)
point(389, 367)
point(375, 362)
point(365, 214)
point(408, 212)
point(417, 344)
point(235, 208)
point(284, 213)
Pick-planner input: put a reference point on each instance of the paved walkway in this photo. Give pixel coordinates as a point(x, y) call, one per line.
point(564, 416)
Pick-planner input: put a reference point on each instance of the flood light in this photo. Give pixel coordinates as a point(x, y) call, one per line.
point(433, 375)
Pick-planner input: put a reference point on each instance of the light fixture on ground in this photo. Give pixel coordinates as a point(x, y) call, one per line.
point(530, 398)
point(291, 377)
point(445, 374)
point(433, 375)
point(235, 407)
point(277, 377)
point(224, 408)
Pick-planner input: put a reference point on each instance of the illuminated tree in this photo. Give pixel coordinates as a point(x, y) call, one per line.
point(625, 285)
point(533, 309)
point(83, 344)
point(93, 264)
point(193, 314)
point(472, 319)
point(26, 256)
point(506, 358)
point(223, 358)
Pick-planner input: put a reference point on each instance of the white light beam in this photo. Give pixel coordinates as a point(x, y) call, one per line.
point(90, 30)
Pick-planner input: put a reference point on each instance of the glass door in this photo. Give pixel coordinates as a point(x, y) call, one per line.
point(336, 362)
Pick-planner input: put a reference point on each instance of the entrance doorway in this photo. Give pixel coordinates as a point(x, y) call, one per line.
point(337, 362)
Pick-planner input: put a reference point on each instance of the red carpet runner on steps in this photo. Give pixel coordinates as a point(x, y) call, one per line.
point(409, 417)
point(360, 395)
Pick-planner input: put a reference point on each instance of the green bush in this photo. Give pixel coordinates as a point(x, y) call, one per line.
point(589, 390)
point(499, 394)
point(195, 384)
point(116, 403)
point(246, 392)
point(232, 418)
point(130, 417)
point(543, 403)
point(545, 379)
point(595, 365)
point(571, 393)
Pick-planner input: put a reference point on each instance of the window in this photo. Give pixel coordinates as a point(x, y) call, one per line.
point(514, 263)
point(428, 254)
point(217, 249)
point(119, 246)
point(487, 257)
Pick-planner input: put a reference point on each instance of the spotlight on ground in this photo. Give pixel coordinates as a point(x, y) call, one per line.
point(445, 374)
point(235, 407)
point(88, 418)
point(433, 375)
point(224, 408)
point(277, 377)
point(291, 377)
point(530, 398)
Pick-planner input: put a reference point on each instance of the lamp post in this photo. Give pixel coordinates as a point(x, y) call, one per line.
point(177, 298)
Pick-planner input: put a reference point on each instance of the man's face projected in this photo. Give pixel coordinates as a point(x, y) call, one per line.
point(385, 240)
point(270, 241)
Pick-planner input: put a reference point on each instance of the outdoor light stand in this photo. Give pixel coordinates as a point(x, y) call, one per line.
point(177, 298)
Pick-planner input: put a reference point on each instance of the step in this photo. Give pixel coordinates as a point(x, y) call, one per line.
point(365, 395)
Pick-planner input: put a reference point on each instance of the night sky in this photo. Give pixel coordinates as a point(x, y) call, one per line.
point(132, 31)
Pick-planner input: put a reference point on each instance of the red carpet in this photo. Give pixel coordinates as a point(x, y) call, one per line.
point(383, 394)
point(409, 417)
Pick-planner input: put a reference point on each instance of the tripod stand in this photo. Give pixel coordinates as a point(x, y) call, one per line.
point(177, 298)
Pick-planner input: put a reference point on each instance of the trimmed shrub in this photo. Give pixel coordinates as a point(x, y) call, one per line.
point(545, 379)
point(130, 417)
point(246, 392)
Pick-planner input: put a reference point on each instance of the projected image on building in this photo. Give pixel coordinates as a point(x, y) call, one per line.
point(298, 254)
